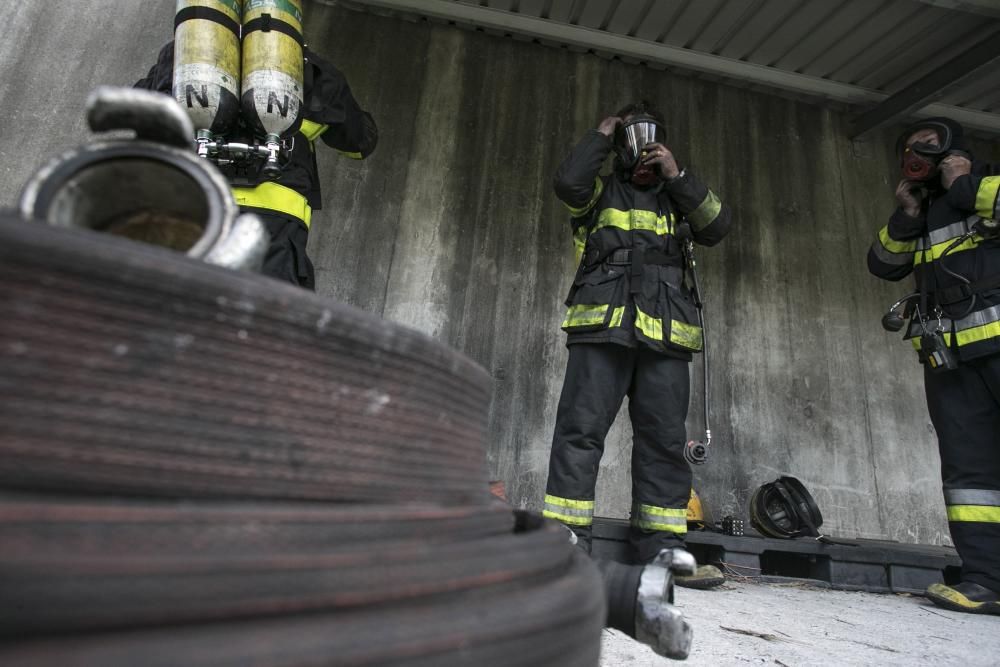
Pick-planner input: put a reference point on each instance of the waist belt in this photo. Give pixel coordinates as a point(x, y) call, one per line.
point(950, 295)
point(635, 259)
point(275, 197)
point(624, 256)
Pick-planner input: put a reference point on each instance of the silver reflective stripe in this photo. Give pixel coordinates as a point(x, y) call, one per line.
point(972, 497)
point(568, 511)
point(976, 319)
point(894, 258)
point(952, 231)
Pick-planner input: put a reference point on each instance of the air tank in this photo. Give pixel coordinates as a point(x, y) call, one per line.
point(272, 70)
point(207, 63)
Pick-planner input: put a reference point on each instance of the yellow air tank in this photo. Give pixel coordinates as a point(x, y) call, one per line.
point(272, 70)
point(207, 63)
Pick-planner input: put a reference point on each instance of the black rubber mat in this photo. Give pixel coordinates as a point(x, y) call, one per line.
point(873, 565)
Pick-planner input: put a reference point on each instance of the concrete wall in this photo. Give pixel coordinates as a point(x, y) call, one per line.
point(452, 227)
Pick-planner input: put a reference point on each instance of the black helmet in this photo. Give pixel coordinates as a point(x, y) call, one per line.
point(783, 508)
point(950, 134)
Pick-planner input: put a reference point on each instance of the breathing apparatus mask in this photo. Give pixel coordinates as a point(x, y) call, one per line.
point(919, 161)
point(632, 137)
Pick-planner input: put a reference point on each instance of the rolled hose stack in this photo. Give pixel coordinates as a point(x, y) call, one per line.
point(206, 467)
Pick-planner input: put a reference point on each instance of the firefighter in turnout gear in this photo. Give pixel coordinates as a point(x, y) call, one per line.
point(330, 113)
point(944, 231)
point(631, 326)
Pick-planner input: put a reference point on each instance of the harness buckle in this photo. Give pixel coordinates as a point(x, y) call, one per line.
point(620, 257)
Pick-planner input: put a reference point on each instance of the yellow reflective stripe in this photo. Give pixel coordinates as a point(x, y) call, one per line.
point(634, 220)
point(568, 502)
point(566, 518)
point(685, 335)
point(275, 197)
point(312, 130)
point(669, 519)
point(585, 315)
point(936, 250)
point(976, 334)
point(707, 211)
point(616, 316)
point(679, 512)
point(580, 241)
point(974, 513)
point(567, 510)
point(651, 327)
point(988, 196)
point(353, 156)
point(967, 336)
point(583, 210)
point(893, 246)
point(945, 334)
point(667, 527)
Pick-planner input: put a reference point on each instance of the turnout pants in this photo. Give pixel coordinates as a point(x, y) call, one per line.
point(598, 377)
point(964, 405)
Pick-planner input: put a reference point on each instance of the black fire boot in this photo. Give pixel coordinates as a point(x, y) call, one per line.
point(966, 596)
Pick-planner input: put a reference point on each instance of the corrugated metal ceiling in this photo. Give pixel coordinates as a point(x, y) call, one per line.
point(879, 44)
point(858, 52)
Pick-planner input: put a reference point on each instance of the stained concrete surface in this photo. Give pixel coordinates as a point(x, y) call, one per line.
point(452, 228)
point(796, 625)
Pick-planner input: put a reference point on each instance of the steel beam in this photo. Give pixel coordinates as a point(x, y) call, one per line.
point(929, 87)
point(983, 7)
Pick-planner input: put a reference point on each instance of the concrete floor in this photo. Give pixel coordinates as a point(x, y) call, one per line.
point(793, 624)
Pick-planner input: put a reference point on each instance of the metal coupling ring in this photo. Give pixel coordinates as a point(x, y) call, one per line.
point(152, 188)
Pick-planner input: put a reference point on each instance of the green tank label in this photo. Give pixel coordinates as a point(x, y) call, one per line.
point(282, 5)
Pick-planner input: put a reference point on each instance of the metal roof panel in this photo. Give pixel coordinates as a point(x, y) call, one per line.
point(857, 52)
point(689, 23)
point(755, 23)
point(836, 28)
point(661, 18)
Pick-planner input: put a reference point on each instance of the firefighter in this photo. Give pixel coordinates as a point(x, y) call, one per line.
point(632, 327)
point(944, 232)
point(330, 113)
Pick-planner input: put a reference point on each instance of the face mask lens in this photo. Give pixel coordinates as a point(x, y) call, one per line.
point(635, 137)
point(923, 148)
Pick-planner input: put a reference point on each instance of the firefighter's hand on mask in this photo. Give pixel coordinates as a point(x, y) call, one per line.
point(608, 125)
point(952, 167)
point(908, 196)
point(659, 157)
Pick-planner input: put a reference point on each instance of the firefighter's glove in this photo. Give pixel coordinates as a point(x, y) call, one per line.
point(952, 167)
point(659, 158)
point(608, 126)
point(909, 195)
